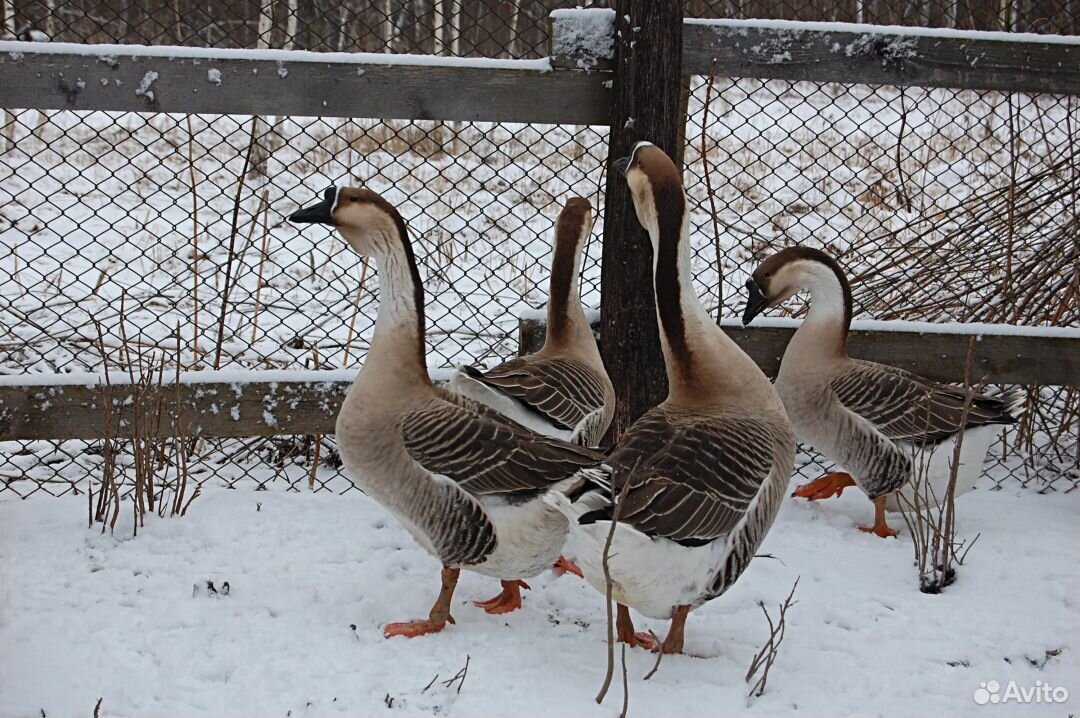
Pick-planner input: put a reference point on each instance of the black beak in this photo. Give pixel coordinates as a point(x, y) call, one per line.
point(621, 165)
point(755, 303)
point(320, 213)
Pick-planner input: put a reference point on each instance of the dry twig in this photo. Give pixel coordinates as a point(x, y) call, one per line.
point(765, 657)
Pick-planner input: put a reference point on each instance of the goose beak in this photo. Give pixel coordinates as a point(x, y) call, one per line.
point(755, 303)
point(621, 165)
point(319, 213)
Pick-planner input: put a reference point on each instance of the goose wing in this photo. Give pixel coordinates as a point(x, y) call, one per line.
point(484, 453)
point(689, 481)
point(563, 390)
point(904, 406)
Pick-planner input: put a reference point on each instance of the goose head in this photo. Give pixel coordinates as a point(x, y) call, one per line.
point(365, 220)
point(655, 185)
point(574, 224)
point(793, 270)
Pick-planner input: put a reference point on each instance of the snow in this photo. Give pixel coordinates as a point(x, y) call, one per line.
point(893, 325)
point(539, 314)
point(314, 577)
point(587, 35)
point(236, 378)
point(148, 80)
point(109, 54)
point(797, 26)
point(213, 76)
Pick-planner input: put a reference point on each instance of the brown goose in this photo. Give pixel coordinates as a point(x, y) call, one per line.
point(464, 480)
point(887, 426)
point(702, 474)
point(561, 390)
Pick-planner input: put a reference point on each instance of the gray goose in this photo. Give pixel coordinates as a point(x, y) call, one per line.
point(464, 480)
point(562, 390)
point(701, 476)
point(893, 430)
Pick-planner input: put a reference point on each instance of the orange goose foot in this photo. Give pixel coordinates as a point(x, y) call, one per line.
point(509, 599)
point(412, 629)
point(829, 485)
point(437, 618)
point(880, 528)
point(674, 641)
point(565, 565)
point(624, 632)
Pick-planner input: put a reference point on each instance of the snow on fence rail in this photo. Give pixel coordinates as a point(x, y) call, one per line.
point(570, 87)
point(263, 403)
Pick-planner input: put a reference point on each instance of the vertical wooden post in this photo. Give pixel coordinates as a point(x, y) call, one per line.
point(648, 80)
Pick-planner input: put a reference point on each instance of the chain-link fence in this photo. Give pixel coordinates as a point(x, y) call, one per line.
point(132, 238)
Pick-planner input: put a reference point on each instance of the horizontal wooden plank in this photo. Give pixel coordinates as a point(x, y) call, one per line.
point(207, 409)
point(999, 358)
point(118, 78)
point(213, 404)
point(862, 54)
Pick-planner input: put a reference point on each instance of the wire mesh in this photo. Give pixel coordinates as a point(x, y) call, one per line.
point(167, 231)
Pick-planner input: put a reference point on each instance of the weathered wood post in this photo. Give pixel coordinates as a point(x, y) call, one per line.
point(648, 69)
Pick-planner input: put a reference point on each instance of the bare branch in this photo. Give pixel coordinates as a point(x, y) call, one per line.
point(765, 657)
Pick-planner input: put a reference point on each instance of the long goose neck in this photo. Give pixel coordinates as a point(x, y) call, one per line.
point(398, 341)
point(685, 328)
point(825, 328)
point(566, 321)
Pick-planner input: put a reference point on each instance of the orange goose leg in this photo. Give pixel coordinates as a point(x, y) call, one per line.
point(829, 485)
point(565, 565)
point(674, 641)
point(440, 612)
point(624, 631)
point(508, 600)
point(880, 528)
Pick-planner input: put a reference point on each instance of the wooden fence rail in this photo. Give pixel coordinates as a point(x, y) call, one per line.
point(228, 404)
point(556, 90)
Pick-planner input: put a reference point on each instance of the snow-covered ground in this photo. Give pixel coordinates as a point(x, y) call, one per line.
point(313, 577)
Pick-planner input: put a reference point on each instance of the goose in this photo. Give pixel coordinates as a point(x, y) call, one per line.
point(695, 483)
point(465, 481)
point(561, 390)
point(894, 431)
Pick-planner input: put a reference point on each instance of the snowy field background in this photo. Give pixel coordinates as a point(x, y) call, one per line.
point(85, 616)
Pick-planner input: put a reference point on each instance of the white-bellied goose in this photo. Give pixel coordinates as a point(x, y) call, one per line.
point(464, 480)
point(893, 430)
point(561, 390)
point(700, 476)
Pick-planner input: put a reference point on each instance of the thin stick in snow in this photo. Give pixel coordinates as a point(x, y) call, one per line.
point(459, 677)
point(318, 437)
point(767, 655)
point(194, 245)
point(607, 583)
point(709, 192)
point(259, 279)
point(356, 310)
point(232, 243)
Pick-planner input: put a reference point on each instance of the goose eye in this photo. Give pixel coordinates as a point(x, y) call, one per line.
point(354, 199)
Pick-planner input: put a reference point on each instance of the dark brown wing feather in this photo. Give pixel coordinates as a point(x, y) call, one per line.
point(689, 481)
point(486, 453)
point(904, 406)
point(562, 390)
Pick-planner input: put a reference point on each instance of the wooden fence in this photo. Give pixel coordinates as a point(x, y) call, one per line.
point(558, 91)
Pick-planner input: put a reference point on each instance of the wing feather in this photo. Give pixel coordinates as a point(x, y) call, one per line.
point(563, 390)
point(904, 406)
point(689, 481)
point(486, 453)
